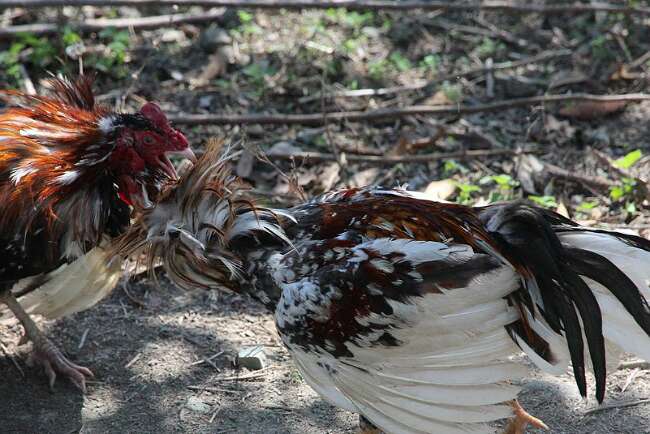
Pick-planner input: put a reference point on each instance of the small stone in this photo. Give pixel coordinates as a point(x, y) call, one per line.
point(205, 102)
point(252, 358)
point(195, 404)
point(283, 148)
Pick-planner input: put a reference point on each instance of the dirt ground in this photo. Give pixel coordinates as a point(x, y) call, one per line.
point(148, 350)
point(148, 379)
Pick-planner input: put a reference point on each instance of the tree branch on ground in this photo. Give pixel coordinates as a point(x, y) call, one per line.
point(393, 113)
point(503, 6)
point(317, 157)
point(101, 24)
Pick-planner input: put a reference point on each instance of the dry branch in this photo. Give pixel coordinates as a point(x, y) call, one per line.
point(100, 24)
point(617, 405)
point(393, 113)
point(504, 6)
point(541, 57)
point(316, 157)
point(589, 181)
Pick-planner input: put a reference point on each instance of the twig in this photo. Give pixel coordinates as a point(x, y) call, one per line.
point(318, 157)
point(213, 389)
point(541, 57)
point(638, 364)
point(214, 415)
point(617, 405)
point(603, 158)
point(133, 360)
point(640, 61)
point(630, 379)
point(449, 26)
point(392, 113)
point(208, 360)
point(506, 6)
point(259, 373)
point(592, 181)
point(82, 341)
point(100, 24)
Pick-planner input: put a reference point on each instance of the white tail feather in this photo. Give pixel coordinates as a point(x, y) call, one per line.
point(73, 287)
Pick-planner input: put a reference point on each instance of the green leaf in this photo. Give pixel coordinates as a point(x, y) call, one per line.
point(629, 160)
point(616, 192)
point(545, 201)
point(70, 37)
point(245, 17)
point(400, 62)
point(587, 206)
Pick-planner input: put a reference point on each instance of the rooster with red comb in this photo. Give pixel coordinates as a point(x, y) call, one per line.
point(69, 169)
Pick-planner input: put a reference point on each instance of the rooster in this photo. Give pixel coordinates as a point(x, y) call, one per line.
point(69, 169)
point(405, 310)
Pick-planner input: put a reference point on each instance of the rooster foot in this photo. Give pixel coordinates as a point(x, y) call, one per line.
point(522, 419)
point(367, 427)
point(44, 352)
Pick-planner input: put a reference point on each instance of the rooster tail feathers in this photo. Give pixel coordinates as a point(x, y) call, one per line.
point(588, 286)
point(71, 288)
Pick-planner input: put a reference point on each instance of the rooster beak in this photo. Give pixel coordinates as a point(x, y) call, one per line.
point(166, 164)
point(185, 153)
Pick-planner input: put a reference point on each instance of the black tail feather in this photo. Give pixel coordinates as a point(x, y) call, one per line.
point(603, 271)
point(528, 240)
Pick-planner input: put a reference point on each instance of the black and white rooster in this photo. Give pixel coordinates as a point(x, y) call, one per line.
point(405, 310)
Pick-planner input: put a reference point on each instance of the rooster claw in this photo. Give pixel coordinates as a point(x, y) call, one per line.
point(52, 360)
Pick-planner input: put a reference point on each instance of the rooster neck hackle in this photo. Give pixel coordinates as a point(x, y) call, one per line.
point(203, 227)
point(53, 163)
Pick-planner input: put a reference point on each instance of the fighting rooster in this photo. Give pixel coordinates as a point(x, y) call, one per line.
point(405, 310)
point(68, 169)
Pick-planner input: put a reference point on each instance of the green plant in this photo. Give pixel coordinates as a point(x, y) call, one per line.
point(377, 69)
point(488, 47)
point(430, 62)
point(505, 186)
point(113, 59)
point(450, 167)
point(586, 207)
point(545, 201)
point(599, 49)
point(10, 62)
point(629, 160)
point(352, 19)
point(399, 61)
point(465, 192)
point(625, 190)
point(29, 49)
point(257, 73)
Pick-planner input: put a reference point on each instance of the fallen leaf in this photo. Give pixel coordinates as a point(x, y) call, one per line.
point(587, 110)
point(562, 210)
point(440, 190)
point(364, 177)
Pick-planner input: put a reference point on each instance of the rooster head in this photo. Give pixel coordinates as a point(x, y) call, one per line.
point(144, 141)
point(53, 146)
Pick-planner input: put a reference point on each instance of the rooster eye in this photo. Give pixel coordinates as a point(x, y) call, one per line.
point(148, 140)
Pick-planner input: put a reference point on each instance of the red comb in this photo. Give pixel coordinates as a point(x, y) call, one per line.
point(152, 112)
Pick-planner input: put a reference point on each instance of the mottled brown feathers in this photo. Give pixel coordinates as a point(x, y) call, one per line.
point(42, 140)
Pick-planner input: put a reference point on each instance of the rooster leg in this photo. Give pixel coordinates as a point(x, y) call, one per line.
point(522, 419)
point(45, 352)
point(367, 427)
